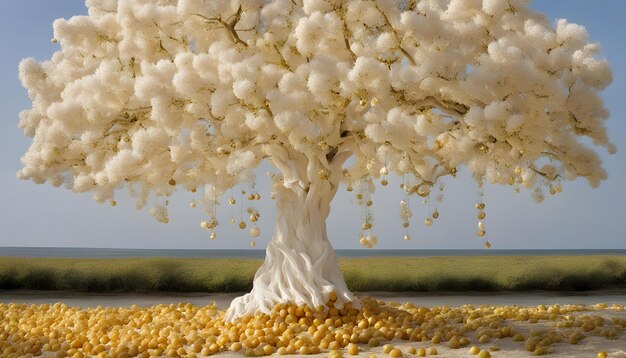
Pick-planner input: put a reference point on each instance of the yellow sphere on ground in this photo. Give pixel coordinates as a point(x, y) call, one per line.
point(474, 350)
point(387, 348)
point(484, 354)
point(353, 349)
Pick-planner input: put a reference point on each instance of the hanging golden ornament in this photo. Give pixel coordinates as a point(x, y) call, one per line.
point(405, 224)
point(481, 215)
point(422, 189)
point(243, 192)
point(359, 196)
point(192, 204)
point(113, 203)
point(374, 101)
point(363, 241)
point(481, 233)
point(232, 201)
point(366, 226)
point(384, 171)
point(242, 225)
point(481, 225)
point(251, 197)
point(487, 245)
point(363, 103)
point(253, 218)
point(435, 214)
point(166, 220)
point(428, 222)
point(369, 203)
point(172, 182)
point(213, 235)
point(255, 232)
point(193, 190)
point(407, 237)
point(252, 243)
point(480, 206)
point(257, 197)
point(232, 220)
point(204, 224)
point(384, 182)
point(349, 188)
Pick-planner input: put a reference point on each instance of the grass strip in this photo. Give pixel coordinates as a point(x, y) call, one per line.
point(396, 274)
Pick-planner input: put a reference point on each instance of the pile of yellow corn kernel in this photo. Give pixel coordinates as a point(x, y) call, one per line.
point(185, 330)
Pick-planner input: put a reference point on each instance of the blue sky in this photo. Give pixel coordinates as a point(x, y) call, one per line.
point(580, 217)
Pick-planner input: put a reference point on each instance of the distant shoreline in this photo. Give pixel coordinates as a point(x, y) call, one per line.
point(76, 252)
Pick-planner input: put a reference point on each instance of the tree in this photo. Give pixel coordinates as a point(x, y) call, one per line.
point(154, 95)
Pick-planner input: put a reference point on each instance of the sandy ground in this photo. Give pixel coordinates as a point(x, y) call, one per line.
point(507, 348)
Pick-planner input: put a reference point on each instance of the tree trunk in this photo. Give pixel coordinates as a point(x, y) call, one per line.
point(300, 265)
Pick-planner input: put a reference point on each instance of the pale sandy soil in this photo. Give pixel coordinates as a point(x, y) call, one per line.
point(589, 347)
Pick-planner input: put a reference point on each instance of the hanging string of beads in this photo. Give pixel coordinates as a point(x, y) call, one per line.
point(423, 190)
point(253, 212)
point(211, 201)
point(367, 238)
point(231, 202)
point(480, 206)
point(405, 208)
point(438, 200)
point(384, 171)
point(242, 224)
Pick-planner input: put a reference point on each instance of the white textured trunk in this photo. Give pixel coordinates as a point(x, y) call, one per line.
point(300, 265)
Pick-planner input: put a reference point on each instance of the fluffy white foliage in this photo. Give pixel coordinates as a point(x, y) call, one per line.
point(151, 93)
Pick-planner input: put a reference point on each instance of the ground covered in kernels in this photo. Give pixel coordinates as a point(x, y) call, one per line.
point(190, 331)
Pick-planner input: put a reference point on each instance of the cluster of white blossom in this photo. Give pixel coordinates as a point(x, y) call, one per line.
point(155, 94)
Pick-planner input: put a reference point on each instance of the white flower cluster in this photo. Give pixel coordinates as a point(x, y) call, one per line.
point(156, 94)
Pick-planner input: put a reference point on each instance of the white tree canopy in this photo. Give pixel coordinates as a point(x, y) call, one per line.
point(154, 94)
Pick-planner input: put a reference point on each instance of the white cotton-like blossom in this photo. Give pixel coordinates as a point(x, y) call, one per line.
point(495, 7)
point(239, 161)
point(369, 73)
